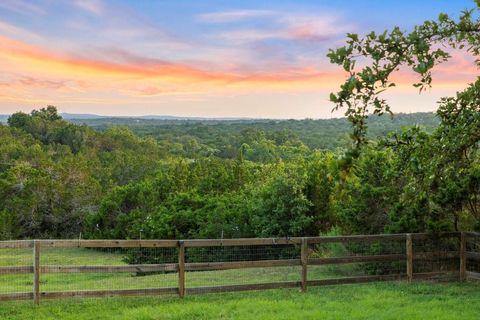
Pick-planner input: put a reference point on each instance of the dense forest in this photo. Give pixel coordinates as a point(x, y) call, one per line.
point(210, 179)
point(223, 138)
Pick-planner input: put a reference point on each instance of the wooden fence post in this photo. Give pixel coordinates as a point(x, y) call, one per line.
point(409, 244)
point(304, 260)
point(181, 268)
point(36, 272)
point(463, 256)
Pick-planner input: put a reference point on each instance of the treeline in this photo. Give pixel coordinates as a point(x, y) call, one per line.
point(59, 179)
point(224, 138)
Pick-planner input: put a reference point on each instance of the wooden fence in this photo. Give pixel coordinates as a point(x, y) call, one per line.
point(452, 259)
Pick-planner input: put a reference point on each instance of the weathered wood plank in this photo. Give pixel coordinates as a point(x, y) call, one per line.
point(16, 296)
point(168, 267)
point(16, 269)
point(409, 250)
point(442, 235)
point(244, 287)
point(472, 234)
point(359, 279)
point(16, 244)
point(108, 293)
point(436, 255)
point(241, 242)
point(181, 269)
point(36, 272)
point(463, 257)
point(472, 275)
point(366, 238)
point(219, 242)
point(205, 266)
point(473, 255)
point(304, 261)
point(356, 259)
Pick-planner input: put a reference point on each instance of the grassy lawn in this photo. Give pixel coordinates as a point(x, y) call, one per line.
point(395, 300)
point(103, 281)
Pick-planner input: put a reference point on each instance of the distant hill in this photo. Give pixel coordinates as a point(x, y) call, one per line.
point(94, 119)
point(78, 117)
point(69, 116)
point(219, 132)
point(216, 133)
point(75, 116)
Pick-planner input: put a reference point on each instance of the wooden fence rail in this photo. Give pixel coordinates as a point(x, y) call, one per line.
point(182, 266)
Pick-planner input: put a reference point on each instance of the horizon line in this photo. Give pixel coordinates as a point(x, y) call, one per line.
point(92, 116)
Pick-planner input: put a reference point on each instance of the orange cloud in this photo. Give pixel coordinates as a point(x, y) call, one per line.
point(32, 58)
point(34, 73)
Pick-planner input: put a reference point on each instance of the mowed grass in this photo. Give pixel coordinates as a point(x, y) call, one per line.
point(10, 283)
point(393, 300)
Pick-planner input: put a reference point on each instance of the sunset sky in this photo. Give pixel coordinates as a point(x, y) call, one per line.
point(200, 58)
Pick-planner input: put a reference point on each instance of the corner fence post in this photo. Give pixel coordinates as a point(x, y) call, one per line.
point(181, 269)
point(36, 272)
point(409, 245)
point(304, 260)
point(463, 257)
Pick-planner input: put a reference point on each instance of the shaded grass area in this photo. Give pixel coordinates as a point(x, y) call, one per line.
point(394, 300)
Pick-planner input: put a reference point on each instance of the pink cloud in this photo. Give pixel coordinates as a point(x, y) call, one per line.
point(50, 84)
point(290, 26)
point(126, 65)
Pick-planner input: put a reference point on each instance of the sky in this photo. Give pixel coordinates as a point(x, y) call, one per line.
point(255, 59)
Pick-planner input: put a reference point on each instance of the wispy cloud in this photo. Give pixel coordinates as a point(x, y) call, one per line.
point(315, 28)
point(107, 54)
point(235, 15)
point(117, 24)
point(126, 66)
point(92, 6)
point(17, 32)
point(17, 80)
point(42, 83)
point(288, 26)
point(22, 7)
point(147, 76)
point(249, 35)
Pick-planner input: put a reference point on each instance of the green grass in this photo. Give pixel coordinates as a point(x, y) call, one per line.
point(60, 256)
point(104, 281)
point(396, 300)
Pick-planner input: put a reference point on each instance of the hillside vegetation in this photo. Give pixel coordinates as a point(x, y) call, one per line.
point(224, 137)
point(184, 179)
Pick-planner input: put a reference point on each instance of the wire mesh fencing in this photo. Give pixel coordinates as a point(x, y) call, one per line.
point(47, 269)
point(437, 254)
point(225, 266)
point(97, 269)
point(472, 256)
point(16, 270)
point(344, 257)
